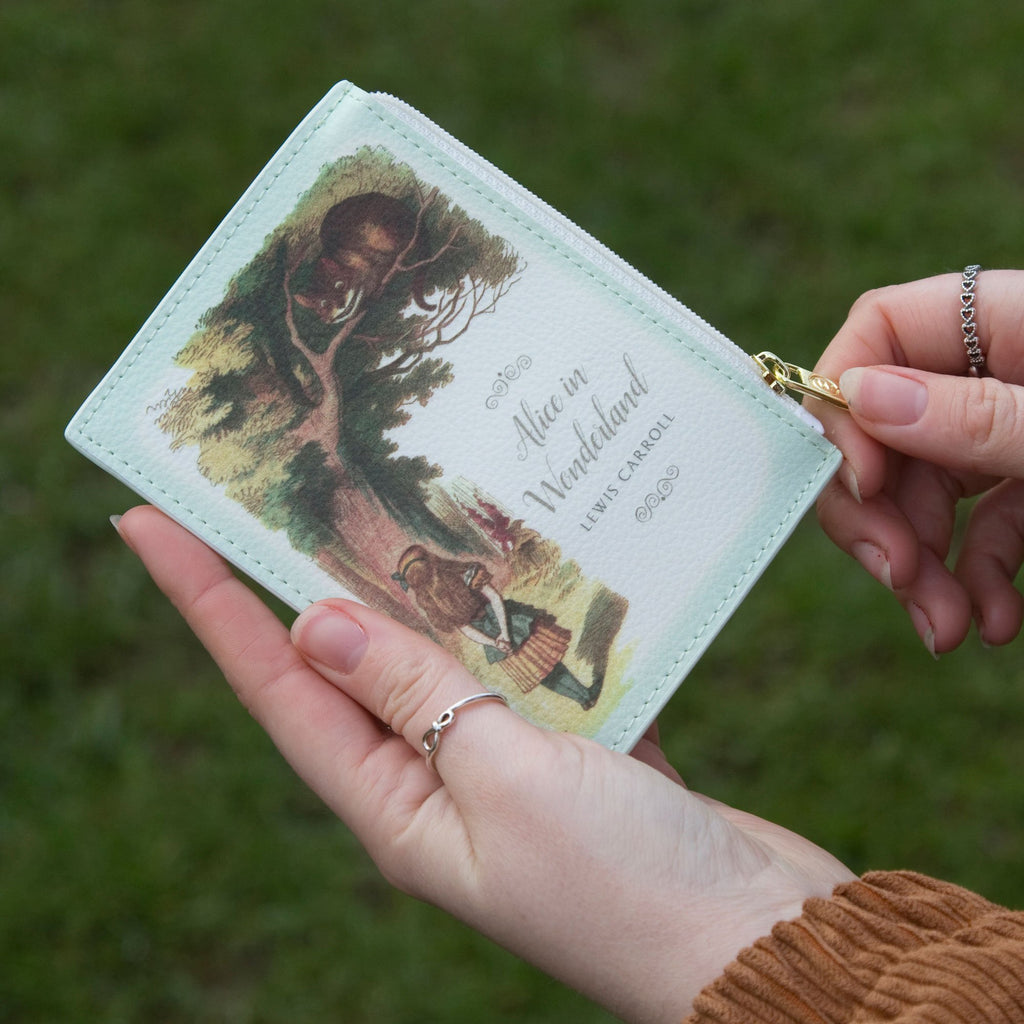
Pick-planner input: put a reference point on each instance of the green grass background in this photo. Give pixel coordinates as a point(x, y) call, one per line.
point(765, 162)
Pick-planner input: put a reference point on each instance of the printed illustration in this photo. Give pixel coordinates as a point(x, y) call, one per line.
point(302, 377)
point(526, 642)
point(366, 240)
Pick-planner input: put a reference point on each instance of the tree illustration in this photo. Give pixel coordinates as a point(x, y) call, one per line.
point(291, 412)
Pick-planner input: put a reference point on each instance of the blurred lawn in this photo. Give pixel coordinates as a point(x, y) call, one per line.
point(764, 162)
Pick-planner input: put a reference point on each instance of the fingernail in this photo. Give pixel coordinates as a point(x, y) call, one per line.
point(849, 478)
point(924, 627)
point(327, 635)
point(979, 624)
point(884, 396)
point(115, 522)
point(874, 559)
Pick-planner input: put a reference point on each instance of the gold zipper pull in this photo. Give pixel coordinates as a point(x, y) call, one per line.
point(781, 376)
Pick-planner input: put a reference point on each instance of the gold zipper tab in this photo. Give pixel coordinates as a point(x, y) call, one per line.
point(781, 376)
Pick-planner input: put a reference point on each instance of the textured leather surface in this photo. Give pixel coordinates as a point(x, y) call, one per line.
point(612, 461)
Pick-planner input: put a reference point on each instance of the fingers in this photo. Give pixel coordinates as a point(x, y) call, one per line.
point(919, 436)
point(648, 751)
point(387, 673)
point(321, 732)
point(880, 535)
point(918, 325)
point(326, 720)
point(404, 680)
point(957, 422)
point(875, 532)
point(957, 435)
point(901, 325)
point(245, 638)
point(938, 605)
point(561, 895)
point(991, 557)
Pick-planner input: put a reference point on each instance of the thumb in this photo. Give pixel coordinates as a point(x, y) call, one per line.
point(961, 423)
point(404, 680)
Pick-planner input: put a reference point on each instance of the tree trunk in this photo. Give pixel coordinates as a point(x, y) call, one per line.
point(373, 543)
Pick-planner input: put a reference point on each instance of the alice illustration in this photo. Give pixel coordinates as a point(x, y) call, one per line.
point(526, 642)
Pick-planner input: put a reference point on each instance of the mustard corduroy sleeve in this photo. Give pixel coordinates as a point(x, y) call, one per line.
point(892, 946)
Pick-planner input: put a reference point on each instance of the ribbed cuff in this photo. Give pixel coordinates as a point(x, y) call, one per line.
point(892, 946)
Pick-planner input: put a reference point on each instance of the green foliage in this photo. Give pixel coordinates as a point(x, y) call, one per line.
point(765, 162)
point(300, 502)
point(275, 390)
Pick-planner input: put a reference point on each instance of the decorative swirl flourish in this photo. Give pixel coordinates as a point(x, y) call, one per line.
point(500, 386)
point(498, 391)
point(662, 489)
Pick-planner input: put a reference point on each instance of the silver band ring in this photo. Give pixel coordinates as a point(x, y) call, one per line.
point(968, 324)
point(432, 737)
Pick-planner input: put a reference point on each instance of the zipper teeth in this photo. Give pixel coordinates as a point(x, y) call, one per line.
point(570, 233)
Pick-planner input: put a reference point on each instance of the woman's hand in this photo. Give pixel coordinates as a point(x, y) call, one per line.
point(921, 436)
point(602, 869)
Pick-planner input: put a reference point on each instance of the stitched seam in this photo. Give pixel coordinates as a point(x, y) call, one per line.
point(196, 274)
point(659, 687)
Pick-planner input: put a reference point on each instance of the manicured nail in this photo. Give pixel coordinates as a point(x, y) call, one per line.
point(874, 559)
point(884, 396)
point(849, 478)
point(115, 522)
point(327, 635)
point(924, 627)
